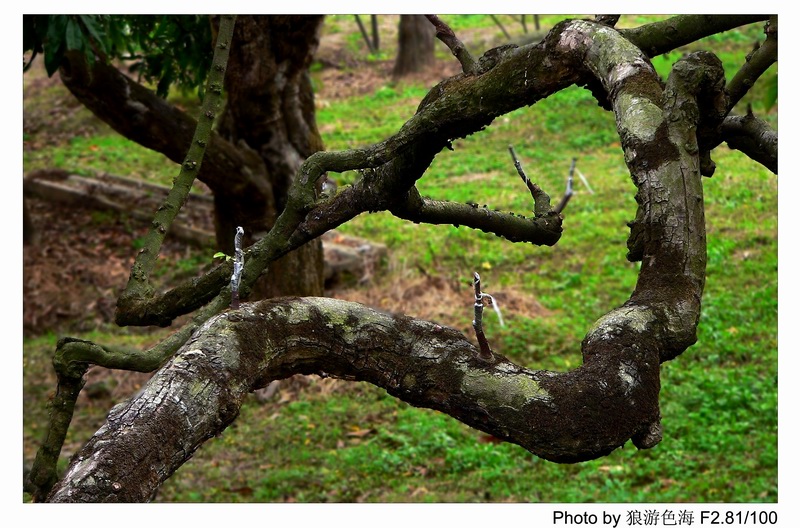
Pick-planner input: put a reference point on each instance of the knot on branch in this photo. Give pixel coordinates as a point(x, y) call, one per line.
point(494, 56)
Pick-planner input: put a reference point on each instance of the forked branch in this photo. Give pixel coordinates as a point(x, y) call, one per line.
point(756, 63)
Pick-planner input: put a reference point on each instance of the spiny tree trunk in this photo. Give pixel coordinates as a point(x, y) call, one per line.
point(416, 40)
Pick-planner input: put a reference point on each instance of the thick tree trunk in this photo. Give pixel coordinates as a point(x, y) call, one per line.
point(416, 39)
point(270, 110)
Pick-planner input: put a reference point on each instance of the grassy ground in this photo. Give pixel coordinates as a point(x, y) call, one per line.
point(332, 441)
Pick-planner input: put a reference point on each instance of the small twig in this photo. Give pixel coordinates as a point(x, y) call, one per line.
point(364, 34)
point(477, 323)
point(541, 200)
point(446, 35)
point(496, 21)
point(568, 192)
point(238, 266)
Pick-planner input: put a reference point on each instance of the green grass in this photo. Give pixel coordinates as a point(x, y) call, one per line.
point(718, 400)
point(106, 153)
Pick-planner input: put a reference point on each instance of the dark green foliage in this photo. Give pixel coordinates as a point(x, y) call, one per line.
point(164, 49)
point(54, 35)
point(167, 49)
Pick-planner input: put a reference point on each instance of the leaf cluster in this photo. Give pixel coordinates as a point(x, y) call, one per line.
point(161, 49)
point(54, 35)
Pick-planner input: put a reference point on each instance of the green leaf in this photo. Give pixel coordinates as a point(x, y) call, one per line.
point(55, 42)
point(90, 22)
point(74, 35)
point(162, 89)
point(34, 28)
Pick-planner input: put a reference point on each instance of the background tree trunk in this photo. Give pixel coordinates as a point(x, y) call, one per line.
point(416, 40)
point(270, 110)
point(29, 233)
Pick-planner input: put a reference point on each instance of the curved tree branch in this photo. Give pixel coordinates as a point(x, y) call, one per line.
point(199, 392)
point(141, 116)
point(542, 230)
point(752, 136)
point(456, 108)
point(138, 288)
point(661, 37)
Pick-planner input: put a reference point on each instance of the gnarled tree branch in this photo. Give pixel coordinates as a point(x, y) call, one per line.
point(565, 417)
point(148, 438)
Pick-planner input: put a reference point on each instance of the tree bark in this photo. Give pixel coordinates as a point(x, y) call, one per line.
point(416, 40)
